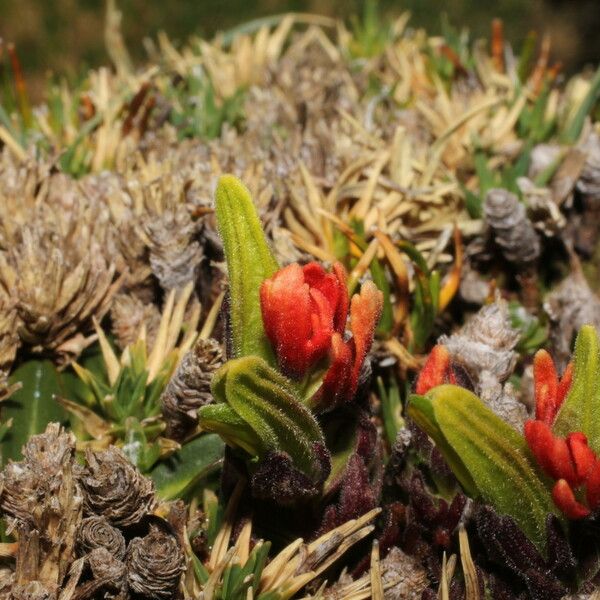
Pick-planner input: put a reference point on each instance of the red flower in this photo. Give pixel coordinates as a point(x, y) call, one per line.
point(569, 461)
point(436, 370)
point(302, 307)
point(564, 498)
point(347, 357)
point(549, 391)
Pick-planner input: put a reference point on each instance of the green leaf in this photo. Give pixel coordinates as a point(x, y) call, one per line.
point(249, 262)
point(235, 432)
point(268, 402)
point(533, 334)
point(32, 407)
point(493, 453)
point(581, 408)
point(179, 474)
point(473, 203)
point(526, 56)
point(487, 177)
point(139, 445)
point(391, 409)
point(421, 410)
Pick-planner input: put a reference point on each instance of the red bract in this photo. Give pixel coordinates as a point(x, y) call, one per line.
point(569, 461)
point(436, 370)
point(347, 357)
point(549, 391)
point(302, 307)
point(564, 498)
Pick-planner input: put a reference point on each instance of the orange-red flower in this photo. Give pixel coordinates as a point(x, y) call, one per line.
point(569, 461)
point(347, 357)
point(304, 312)
point(302, 307)
point(550, 392)
point(436, 370)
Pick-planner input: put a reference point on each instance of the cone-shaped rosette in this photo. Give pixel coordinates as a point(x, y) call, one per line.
point(154, 564)
point(115, 489)
point(97, 532)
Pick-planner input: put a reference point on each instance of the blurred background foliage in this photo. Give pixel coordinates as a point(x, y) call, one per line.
point(67, 36)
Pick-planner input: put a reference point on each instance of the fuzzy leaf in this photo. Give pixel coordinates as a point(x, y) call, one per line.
point(195, 460)
point(493, 453)
point(268, 403)
point(581, 408)
point(31, 407)
point(421, 410)
point(249, 263)
point(222, 419)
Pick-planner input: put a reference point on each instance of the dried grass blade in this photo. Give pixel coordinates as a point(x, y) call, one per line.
point(468, 567)
point(219, 549)
point(376, 582)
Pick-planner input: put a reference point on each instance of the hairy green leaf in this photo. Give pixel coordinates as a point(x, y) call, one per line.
point(581, 408)
point(421, 410)
point(268, 403)
point(222, 419)
point(249, 262)
point(494, 454)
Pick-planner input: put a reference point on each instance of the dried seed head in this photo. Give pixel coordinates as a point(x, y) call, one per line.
point(128, 314)
point(9, 340)
point(115, 489)
point(107, 568)
point(154, 564)
point(57, 281)
point(31, 485)
point(44, 503)
point(189, 388)
point(97, 532)
point(485, 343)
point(511, 228)
point(174, 252)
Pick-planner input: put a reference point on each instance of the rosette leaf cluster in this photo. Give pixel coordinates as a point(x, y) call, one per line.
point(121, 402)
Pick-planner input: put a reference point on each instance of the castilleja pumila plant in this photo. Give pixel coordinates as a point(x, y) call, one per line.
point(290, 358)
point(571, 460)
point(558, 455)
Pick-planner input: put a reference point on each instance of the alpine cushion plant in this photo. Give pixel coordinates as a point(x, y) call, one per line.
point(291, 359)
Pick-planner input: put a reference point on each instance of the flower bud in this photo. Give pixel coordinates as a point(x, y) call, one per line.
point(302, 307)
